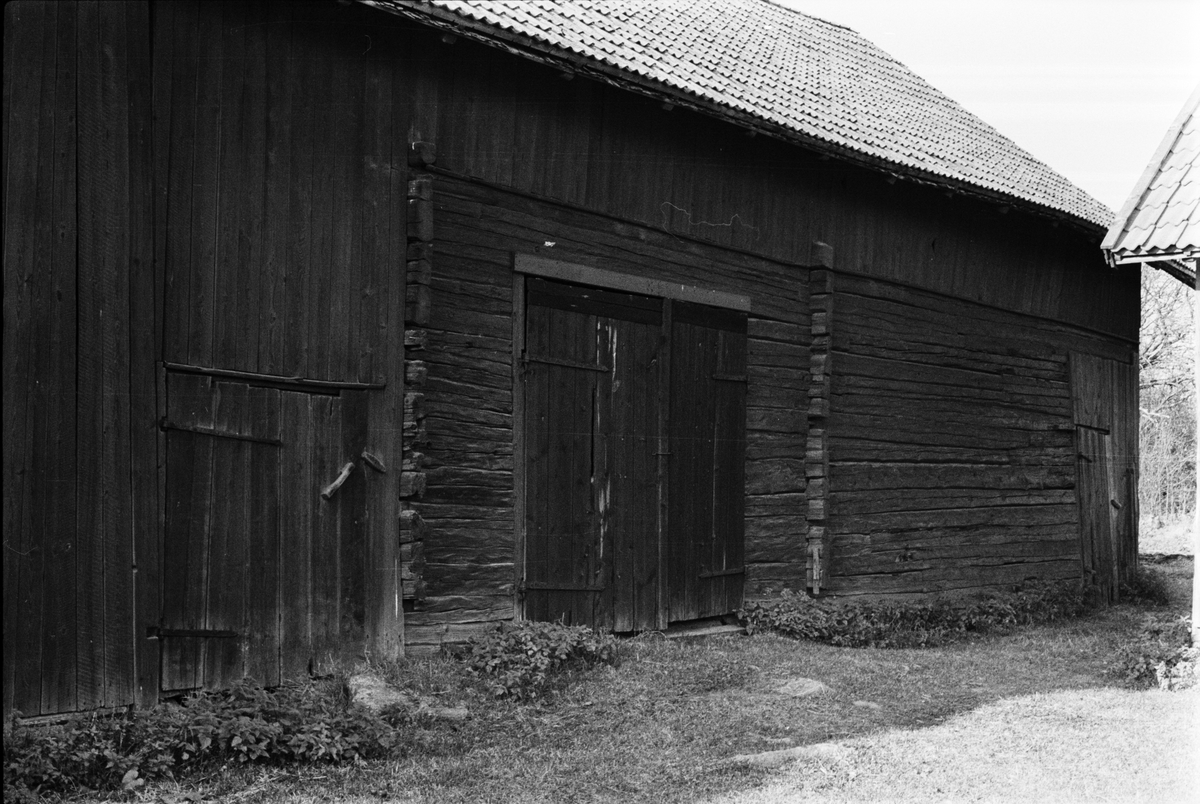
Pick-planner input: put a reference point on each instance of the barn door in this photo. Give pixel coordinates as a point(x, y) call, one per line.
point(708, 447)
point(626, 529)
point(264, 531)
point(1104, 403)
point(1097, 510)
point(591, 430)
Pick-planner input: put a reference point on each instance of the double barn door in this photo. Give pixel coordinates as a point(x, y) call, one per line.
point(633, 437)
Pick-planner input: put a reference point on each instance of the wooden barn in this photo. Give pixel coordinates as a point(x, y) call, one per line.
point(337, 329)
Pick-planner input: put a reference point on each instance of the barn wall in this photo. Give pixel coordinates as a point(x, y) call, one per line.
point(280, 175)
point(466, 391)
point(508, 121)
point(951, 442)
point(278, 151)
point(80, 448)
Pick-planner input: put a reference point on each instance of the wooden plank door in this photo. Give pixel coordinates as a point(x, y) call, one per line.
point(1097, 513)
point(628, 446)
point(262, 558)
point(612, 539)
point(591, 432)
point(1104, 410)
point(706, 486)
point(282, 245)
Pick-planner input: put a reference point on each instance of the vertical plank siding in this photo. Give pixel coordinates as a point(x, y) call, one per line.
point(1105, 414)
point(265, 257)
point(131, 239)
point(283, 254)
point(77, 234)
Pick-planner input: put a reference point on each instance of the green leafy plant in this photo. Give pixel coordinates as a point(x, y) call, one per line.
point(1145, 587)
point(518, 660)
point(1161, 655)
point(907, 624)
point(299, 722)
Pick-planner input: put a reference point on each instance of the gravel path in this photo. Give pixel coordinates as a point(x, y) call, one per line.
point(1103, 745)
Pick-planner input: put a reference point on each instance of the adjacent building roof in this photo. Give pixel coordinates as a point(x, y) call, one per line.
point(777, 70)
point(1160, 222)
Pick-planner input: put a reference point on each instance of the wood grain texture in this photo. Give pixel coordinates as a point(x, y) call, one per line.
point(950, 443)
point(467, 366)
point(681, 172)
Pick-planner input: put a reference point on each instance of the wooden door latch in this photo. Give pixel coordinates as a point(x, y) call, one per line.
point(332, 488)
point(374, 461)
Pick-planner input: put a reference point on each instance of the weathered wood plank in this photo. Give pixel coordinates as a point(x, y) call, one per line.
point(263, 554)
point(328, 458)
point(229, 539)
point(180, 29)
point(204, 191)
point(849, 477)
point(277, 106)
point(106, 672)
point(296, 532)
point(29, 42)
point(145, 344)
point(234, 326)
point(995, 573)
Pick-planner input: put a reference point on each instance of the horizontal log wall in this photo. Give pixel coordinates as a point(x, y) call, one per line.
point(467, 508)
point(952, 461)
point(506, 120)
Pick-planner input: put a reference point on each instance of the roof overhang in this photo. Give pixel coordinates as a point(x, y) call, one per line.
point(1173, 255)
point(1172, 265)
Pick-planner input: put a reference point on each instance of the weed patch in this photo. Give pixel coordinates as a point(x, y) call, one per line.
point(304, 722)
point(1145, 587)
point(902, 624)
point(1160, 654)
point(518, 660)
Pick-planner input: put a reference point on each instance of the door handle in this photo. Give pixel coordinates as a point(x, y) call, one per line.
point(332, 488)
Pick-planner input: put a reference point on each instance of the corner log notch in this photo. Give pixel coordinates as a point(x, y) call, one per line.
point(816, 454)
point(419, 271)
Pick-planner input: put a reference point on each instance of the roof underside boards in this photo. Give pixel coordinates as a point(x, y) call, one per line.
point(802, 77)
point(1161, 218)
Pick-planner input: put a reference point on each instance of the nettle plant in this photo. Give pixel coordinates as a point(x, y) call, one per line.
point(519, 660)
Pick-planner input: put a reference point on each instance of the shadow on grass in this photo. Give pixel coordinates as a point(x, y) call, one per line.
point(659, 726)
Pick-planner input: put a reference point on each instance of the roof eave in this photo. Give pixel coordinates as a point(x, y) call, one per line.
point(1174, 264)
point(1134, 200)
point(566, 60)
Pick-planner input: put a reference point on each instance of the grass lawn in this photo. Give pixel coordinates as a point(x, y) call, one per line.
point(662, 725)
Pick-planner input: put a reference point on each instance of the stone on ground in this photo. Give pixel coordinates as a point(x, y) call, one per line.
point(802, 687)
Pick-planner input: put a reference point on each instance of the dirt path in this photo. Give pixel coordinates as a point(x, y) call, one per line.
point(1101, 745)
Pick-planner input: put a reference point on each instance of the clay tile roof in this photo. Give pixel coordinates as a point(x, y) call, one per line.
point(821, 83)
point(1161, 218)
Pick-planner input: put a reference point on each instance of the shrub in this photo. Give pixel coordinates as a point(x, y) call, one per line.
point(518, 660)
point(907, 624)
point(1145, 587)
point(297, 722)
point(1161, 655)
